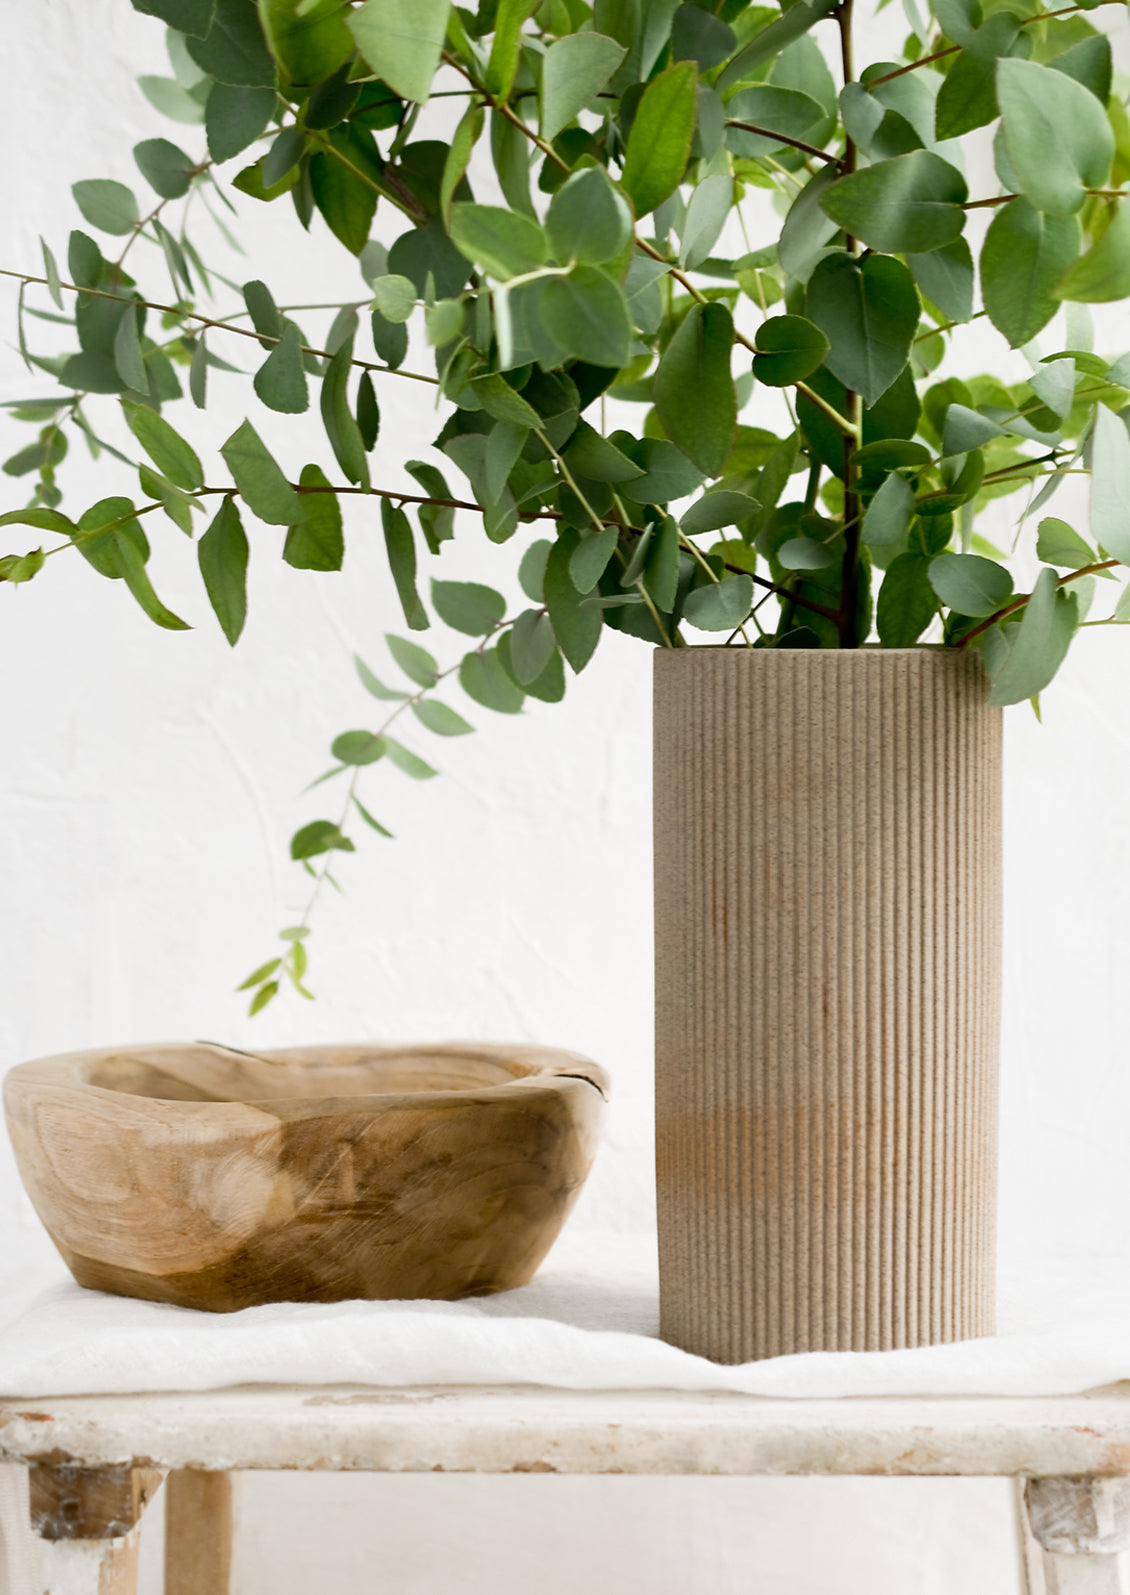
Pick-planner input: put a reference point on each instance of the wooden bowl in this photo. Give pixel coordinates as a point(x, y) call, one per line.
point(217, 1179)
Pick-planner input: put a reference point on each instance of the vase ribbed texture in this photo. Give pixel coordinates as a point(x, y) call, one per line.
point(827, 931)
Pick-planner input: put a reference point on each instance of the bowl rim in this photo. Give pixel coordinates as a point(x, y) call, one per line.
point(541, 1067)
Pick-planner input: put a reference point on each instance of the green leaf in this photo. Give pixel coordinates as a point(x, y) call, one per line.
point(358, 748)
point(309, 41)
point(659, 144)
point(960, 19)
point(484, 679)
point(913, 202)
point(1023, 259)
point(1038, 644)
point(907, 602)
point(532, 646)
point(468, 607)
point(574, 69)
point(234, 50)
point(167, 96)
point(169, 452)
point(707, 212)
point(342, 185)
point(281, 381)
point(587, 314)
point(504, 243)
point(769, 105)
point(338, 418)
point(400, 546)
point(502, 65)
point(591, 455)
point(586, 567)
point(167, 169)
point(234, 117)
point(964, 429)
point(390, 341)
point(131, 565)
point(287, 149)
point(315, 542)
point(889, 513)
point(401, 40)
point(1054, 383)
point(869, 311)
point(1091, 63)
point(805, 553)
point(17, 568)
point(443, 322)
point(261, 974)
point(44, 520)
point(789, 349)
point(970, 585)
point(109, 206)
point(222, 555)
point(719, 606)
point(128, 358)
point(187, 16)
point(718, 508)
point(1110, 484)
point(795, 21)
point(395, 297)
point(51, 272)
point(577, 629)
point(694, 391)
point(1059, 544)
point(371, 684)
point(588, 219)
point(698, 36)
point(409, 762)
point(260, 481)
point(661, 575)
point(458, 158)
point(967, 98)
point(320, 836)
point(416, 662)
point(370, 819)
point(945, 277)
point(440, 719)
point(806, 229)
point(198, 375)
point(262, 997)
point(107, 525)
point(1103, 274)
point(531, 570)
point(1057, 135)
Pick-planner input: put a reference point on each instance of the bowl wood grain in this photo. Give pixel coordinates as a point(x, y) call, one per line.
point(218, 1179)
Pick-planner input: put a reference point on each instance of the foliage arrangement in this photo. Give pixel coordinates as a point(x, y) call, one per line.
point(701, 342)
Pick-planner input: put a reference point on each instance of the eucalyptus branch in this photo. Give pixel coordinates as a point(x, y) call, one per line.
point(1022, 601)
point(210, 321)
point(783, 138)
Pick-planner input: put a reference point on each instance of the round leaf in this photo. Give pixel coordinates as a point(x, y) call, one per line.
point(790, 348)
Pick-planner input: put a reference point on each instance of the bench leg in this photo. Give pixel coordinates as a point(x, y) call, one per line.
point(198, 1533)
point(89, 1522)
point(1082, 1525)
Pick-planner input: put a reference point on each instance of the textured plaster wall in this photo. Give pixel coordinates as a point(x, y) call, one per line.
point(149, 784)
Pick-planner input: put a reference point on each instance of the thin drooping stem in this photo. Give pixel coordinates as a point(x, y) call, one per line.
point(210, 321)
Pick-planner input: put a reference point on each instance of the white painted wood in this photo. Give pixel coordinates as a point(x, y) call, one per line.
point(532, 1430)
point(90, 1567)
point(1084, 1575)
point(1080, 1515)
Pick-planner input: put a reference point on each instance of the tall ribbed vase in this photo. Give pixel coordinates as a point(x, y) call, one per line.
point(827, 934)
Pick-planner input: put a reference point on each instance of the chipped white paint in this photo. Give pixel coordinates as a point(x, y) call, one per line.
point(530, 1430)
point(90, 1567)
point(1083, 1575)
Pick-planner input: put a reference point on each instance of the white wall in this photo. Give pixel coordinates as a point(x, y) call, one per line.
point(150, 783)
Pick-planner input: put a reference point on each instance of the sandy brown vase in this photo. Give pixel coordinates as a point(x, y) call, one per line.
point(827, 880)
point(218, 1180)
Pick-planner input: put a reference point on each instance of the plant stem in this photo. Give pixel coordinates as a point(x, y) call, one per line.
point(1022, 601)
point(209, 321)
point(782, 138)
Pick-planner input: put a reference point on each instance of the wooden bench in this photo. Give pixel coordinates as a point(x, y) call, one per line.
point(94, 1461)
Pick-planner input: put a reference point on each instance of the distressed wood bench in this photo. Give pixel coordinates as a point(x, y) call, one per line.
point(95, 1461)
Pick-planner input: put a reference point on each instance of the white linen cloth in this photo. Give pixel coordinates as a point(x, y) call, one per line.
point(589, 1320)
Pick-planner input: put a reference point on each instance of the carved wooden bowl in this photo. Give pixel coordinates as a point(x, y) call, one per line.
point(219, 1180)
